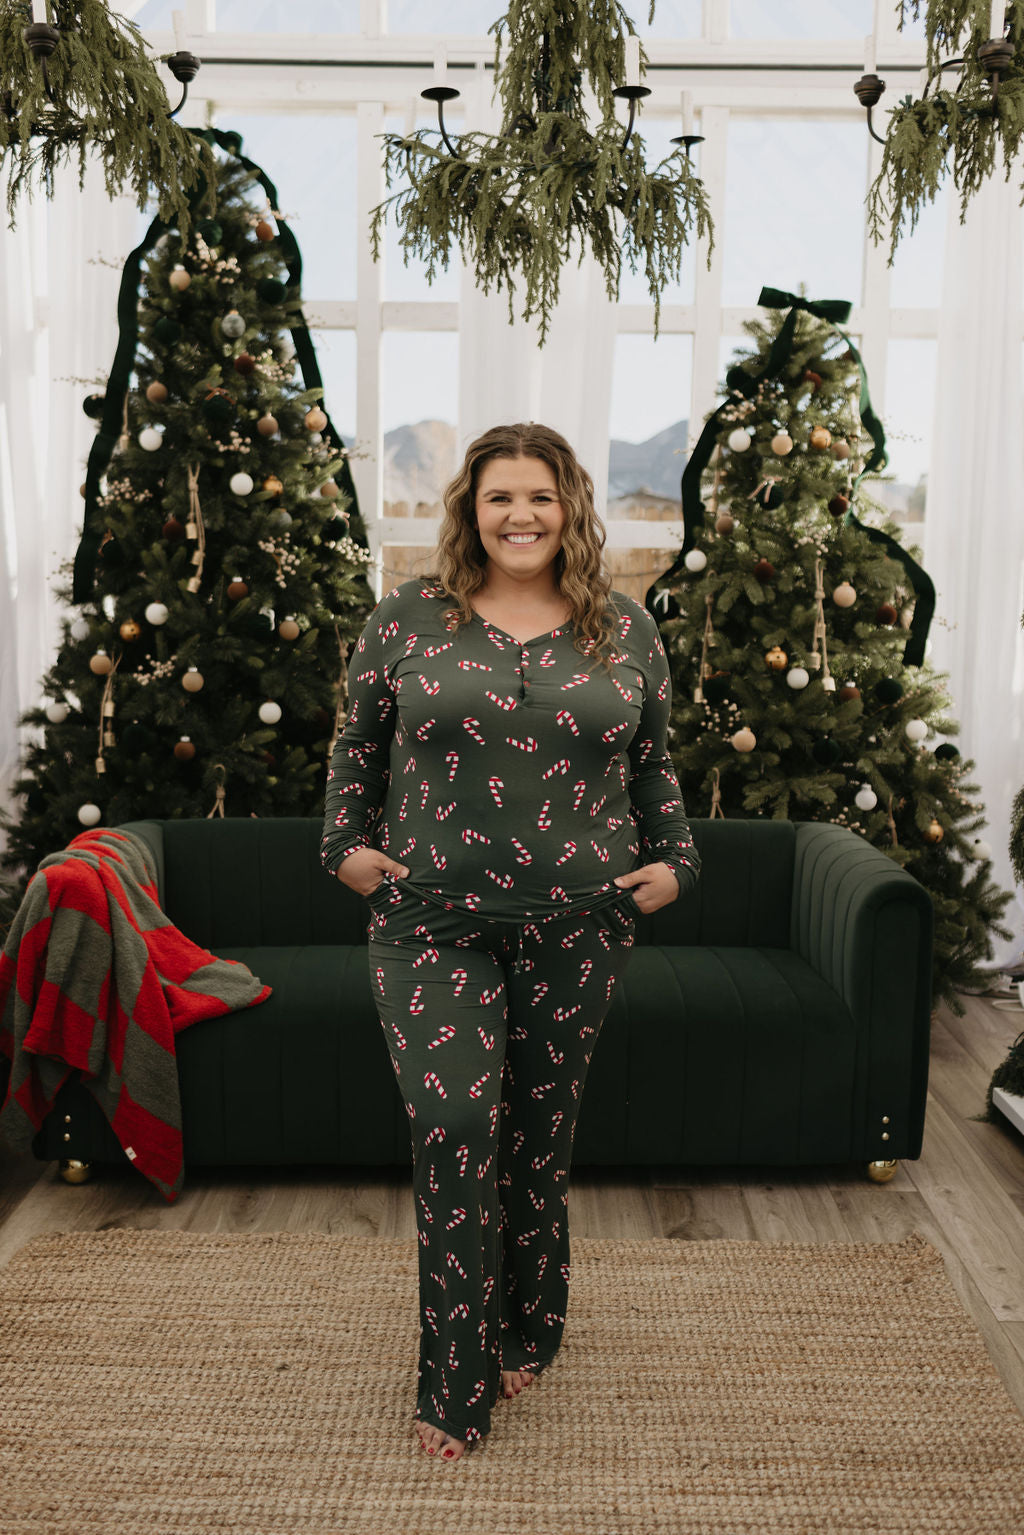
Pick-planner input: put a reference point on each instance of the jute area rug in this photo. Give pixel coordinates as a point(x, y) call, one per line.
point(159, 1382)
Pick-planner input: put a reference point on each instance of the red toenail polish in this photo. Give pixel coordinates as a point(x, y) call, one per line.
point(448, 1454)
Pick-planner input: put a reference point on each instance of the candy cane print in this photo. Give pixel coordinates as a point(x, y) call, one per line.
point(602, 852)
point(453, 1363)
point(431, 1079)
point(460, 1157)
point(476, 1091)
point(557, 893)
point(517, 1140)
point(487, 996)
point(458, 1216)
point(561, 766)
point(529, 745)
point(563, 717)
point(432, 1182)
point(578, 791)
point(529, 1307)
point(478, 1391)
point(429, 687)
point(426, 1208)
point(380, 981)
point(523, 855)
point(439, 858)
point(399, 1035)
point(391, 630)
point(488, 1287)
point(552, 1318)
point(402, 807)
point(540, 989)
point(586, 1029)
point(492, 1118)
point(488, 1039)
point(431, 1316)
point(548, 658)
point(570, 850)
point(544, 820)
point(444, 811)
point(539, 1162)
point(445, 1032)
point(609, 735)
point(578, 679)
point(482, 1167)
point(421, 730)
point(535, 1199)
point(472, 728)
point(473, 666)
point(453, 1263)
point(558, 1056)
point(469, 835)
point(415, 1005)
point(408, 848)
point(603, 938)
point(425, 1240)
point(460, 1310)
point(541, 1266)
point(503, 703)
point(436, 650)
point(506, 881)
point(430, 954)
point(494, 784)
point(410, 1109)
point(460, 977)
point(663, 690)
point(563, 1269)
point(538, 1092)
point(527, 1237)
point(556, 1120)
point(574, 1088)
point(570, 938)
point(585, 969)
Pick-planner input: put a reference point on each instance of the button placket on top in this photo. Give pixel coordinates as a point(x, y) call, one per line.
point(521, 669)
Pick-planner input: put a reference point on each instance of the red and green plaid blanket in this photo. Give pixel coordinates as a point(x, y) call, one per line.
point(95, 978)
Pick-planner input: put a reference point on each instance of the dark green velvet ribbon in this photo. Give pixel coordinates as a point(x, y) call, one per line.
point(105, 441)
point(834, 312)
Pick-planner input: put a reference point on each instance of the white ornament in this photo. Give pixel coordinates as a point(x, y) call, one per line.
point(844, 595)
point(782, 443)
point(156, 614)
point(739, 440)
point(695, 560)
point(315, 438)
point(241, 483)
point(233, 325)
point(285, 348)
point(109, 606)
point(270, 712)
point(865, 798)
point(916, 730)
point(797, 677)
point(80, 629)
point(981, 849)
point(744, 740)
point(89, 814)
point(56, 712)
point(150, 439)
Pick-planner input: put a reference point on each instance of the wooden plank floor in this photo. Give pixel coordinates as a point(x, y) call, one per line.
point(965, 1194)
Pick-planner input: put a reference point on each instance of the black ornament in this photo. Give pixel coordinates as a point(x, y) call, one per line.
point(211, 231)
point(166, 330)
point(888, 691)
point(271, 290)
point(335, 529)
point(136, 738)
point(112, 555)
point(218, 409)
point(716, 687)
point(826, 751)
point(35, 799)
point(93, 406)
point(947, 752)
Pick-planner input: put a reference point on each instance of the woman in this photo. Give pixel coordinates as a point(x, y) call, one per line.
point(503, 797)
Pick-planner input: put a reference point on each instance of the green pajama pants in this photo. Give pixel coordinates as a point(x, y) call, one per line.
point(490, 1026)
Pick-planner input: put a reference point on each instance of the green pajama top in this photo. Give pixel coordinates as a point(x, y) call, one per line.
point(513, 780)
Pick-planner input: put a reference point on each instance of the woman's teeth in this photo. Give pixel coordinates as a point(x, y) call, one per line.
point(521, 538)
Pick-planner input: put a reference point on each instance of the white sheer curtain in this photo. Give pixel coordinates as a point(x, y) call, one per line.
point(59, 276)
point(504, 376)
point(974, 529)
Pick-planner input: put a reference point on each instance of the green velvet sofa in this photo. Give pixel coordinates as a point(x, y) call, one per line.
point(778, 1013)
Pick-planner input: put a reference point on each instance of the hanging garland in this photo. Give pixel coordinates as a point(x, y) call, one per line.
point(524, 202)
point(744, 386)
point(955, 127)
point(110, 421)
point(97, 94)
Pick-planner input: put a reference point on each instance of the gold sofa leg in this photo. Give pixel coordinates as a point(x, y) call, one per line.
point(881, 1172)
point(74, 1171)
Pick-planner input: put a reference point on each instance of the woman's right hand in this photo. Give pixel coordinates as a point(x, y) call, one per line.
point(363, 871)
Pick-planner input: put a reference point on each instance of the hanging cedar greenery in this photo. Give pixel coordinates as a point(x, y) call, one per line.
point(99, 96)
point(526, 201)
point(952, 128)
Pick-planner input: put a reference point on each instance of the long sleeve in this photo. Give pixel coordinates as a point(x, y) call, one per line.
point(357, 778)
point(653, 785)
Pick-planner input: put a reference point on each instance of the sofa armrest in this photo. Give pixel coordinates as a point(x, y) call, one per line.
point(152, 834)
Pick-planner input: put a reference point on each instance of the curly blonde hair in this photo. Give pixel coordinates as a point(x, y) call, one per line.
point(579, 568)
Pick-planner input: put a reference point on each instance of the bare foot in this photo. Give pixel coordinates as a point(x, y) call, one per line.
point(439, 1444)
point(513, 1381)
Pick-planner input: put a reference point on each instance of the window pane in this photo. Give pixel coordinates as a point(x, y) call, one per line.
point(794, 208)
point(917, 266)
point(409, 282)
point(463, 18)
point(312, 162)
point(156, 14)
point(420, 386)
point(658, 133)
point(909, 405)
point(336, 356)
point(272, 16)
point(797, 19)
point(672, 18)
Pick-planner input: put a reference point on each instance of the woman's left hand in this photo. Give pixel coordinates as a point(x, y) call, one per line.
point(652, 887)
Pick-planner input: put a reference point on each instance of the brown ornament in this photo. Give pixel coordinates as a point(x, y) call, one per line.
point(848, 691)
point(821, 437)
point(237, 589)
point(245, 362)
point(776, 658)
point(330, 490)
point(130, 630)
point(267, 425)
point(184, 750)
point(814, 379)
point(764, 570)
point(180, 279)
point(173, 528)
point(193, 680)
point(724, 522)
point(841, 449)
point(264, 231)
point(886, 614)
point(315, 419)
point(272, 485)
point(100, 663)
point(935, 832)
point(839, 505)
point(156, 392)
point(288, 629)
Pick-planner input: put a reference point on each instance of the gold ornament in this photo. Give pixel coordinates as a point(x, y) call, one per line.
point(156, 392)
point(744, 739)
point(935, 832)
point(267, 425)
point(130, 630)
point(193, 680)
point(782, 443)
point(288, 629)
point(272, 485)
point(179, 279)
point(821, 437)
point(776, 658)
point(329, 489)
point(315, 419)
point(100, 663)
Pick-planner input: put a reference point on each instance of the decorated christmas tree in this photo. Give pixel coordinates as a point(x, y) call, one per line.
point(221, 576)
point(797, 632)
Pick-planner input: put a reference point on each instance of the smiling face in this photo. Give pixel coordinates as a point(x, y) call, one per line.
point(519, 519)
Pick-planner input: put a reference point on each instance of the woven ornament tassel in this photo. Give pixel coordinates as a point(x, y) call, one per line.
point(195, 527)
